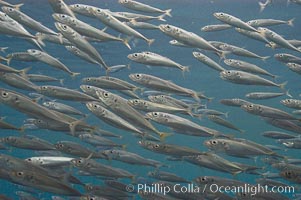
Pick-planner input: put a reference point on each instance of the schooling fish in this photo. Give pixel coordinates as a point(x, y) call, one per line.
point(138, 6)
point(265, 95)
point(245, 78)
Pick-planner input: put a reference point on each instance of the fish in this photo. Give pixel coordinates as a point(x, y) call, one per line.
point(269, 22)
point(43, 182)
point(294, 67)
point(167, 176)
point(8, 69)
point(292, 143)
point(96, 140)
point(169, 149)
point(94, 168)
point(283, 124)
point(214, 162)
point(181, 125)
point(273, 45)
point(239, 147)
point(138, 6)
point(142, 25)
point(278, 39)
point(236, 102)
point(76, 149)
point(119, 105)
point(278, 135)
point(149, 106)
point(27, 143)
point(77, 40)
point(154, 59)
point(48, 59)
point(266, 95)
point(60, 107)
point(56, 39)
point(131, 158)
point(216, 27)
point(202, 180)
point(64, 93)
point(245, 78)
point(223, 122)
point(241, 51)
point(157, 83)
point(17, 81)
point(27, 21)
point(59, 6)
point(114, 23)
point(79, 53)
point(254, 35)
point(50, 161)
point(291, 103)
point(207, 61)
point(109, 117)
point(86, 29)
point(266, 111)
point(42, 78)
point(109, 82)
point(233, 21)
point(247, 67)
point(189, 38)
point(287, 58)
point(178, 44)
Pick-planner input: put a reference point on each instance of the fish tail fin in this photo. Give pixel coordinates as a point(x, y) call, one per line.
point(62, 82)
point(126, 43)
point(168, 12)
point(222, 54)
point(272, 45)
point(3, 49)
point(150, 41)
point(17, 6)
point(282, 85)
point(275, 76)
point(39, 40)
point(196, 97)
point(161, 18)
point(164, 135)
point(261, 6)
point(288, 94)
point(8, 59)
point(24, 71)
point(129, 66)
point(227, 114)
point(264, 58)
point(74, 74)
point(291, 22)
point(241, 131)
point(185, 68)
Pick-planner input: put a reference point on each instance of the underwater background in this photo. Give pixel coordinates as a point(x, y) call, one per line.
point(190, 15)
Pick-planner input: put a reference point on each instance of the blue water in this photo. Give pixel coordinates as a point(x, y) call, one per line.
point(190, 15)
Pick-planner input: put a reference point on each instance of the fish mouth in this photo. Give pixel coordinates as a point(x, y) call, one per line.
point(222, 75)
point(132, 76)
point(89, 106)
point(207, 143)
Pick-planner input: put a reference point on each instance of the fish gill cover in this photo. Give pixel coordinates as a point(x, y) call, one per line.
point(152, 99)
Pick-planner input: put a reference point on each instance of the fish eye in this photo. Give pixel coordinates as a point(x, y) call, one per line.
point(88, 79)
point(228, 72)
point(4, 94)
point(79, 161)
point(125, 1)
point(63, 16)
point(77, 5)
point(157, 146)
point(44, 87)
point(20, 173)
point(138, 76)
point(135, 55)
point(61, 145)
point(213, 142)
point(105, 94)
point(88, 87)
point(280, 55)
point(250, 106)
point(155, 114)
point(29, 159)
point(64, 26)
point(136, 101)
point(10, 9)
point(95, 106)
point(288, 174)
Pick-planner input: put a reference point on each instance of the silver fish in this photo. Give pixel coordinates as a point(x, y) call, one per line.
point(26, 20)
point(216, 27)
point(17, 81)
point(28, 143)
point(294, 67)
point(153, 59)
point(278, 135)
point(86, 29)
point(269, 22)
point(234, 102)
point(64, 93)
point(265, 95)
point(233, 21)
point(79, 53)
point(166, 176)
point(241, 51)
point(291, 103)
point(80, 43)
point(62, 108)
point(278, 39)
point(208, 61)
point(245, 78)
point(59, 6)
point(114, 23)
point(138, 6)
point(287, 58)
point(223, 122)
point(266, 111)
point(48, 59)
